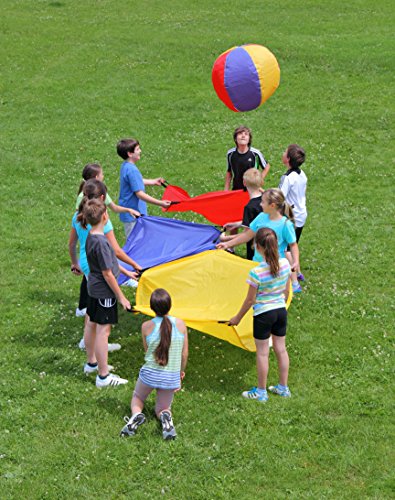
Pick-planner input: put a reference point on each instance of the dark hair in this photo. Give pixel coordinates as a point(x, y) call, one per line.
point(126, 146)
point(267, 239)
point(240, 129)
point(92, 189)
point(90, 171)
point(160, 303)
point(93, 211)
point(296, 155)
point(276, 196)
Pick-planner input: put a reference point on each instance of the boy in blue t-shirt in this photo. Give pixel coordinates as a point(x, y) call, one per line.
point(132, 187)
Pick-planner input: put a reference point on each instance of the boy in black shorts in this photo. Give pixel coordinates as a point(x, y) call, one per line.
point(103, 293)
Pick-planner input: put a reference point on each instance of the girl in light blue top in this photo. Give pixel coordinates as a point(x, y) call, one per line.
point(165, 342)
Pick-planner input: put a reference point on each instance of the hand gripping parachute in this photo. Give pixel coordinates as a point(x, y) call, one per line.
point(156, 240)
point(219, 207)
point(206, 289)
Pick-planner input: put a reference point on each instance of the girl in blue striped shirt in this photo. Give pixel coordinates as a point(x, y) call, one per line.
point(269, 283)
point(165, 341)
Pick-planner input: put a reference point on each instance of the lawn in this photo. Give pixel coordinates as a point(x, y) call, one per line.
point(78, 76)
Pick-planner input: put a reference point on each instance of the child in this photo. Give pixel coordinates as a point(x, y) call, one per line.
point(243, 157)
point(132, 190)
point(95, 171)
point(165, 341)
point(252, 180)
point(103, 293)
point(293, 185)
point(274, 217)
point(268, 282)
point(79, 232)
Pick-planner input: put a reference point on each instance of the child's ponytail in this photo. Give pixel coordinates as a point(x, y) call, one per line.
point(277, 197)
point(160, 303)
point(93, 188)
point(266, 239)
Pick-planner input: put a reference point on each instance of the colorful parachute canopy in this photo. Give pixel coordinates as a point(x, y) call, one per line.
point(219, 207)
point(207, 289)
point(245, 77)
point(155, 240)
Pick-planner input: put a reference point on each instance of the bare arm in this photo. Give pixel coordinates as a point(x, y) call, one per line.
point(150, 199)
point(154, 182)
point(184, 357)
point(129, 274)
point(265, 171)
point(228, 179)
point(247, 304)
point(118, 209)
point(146, 329)
point(121, 255)
point(295, 256)
point(237, 240)
point(113, 284)
point(73, 238)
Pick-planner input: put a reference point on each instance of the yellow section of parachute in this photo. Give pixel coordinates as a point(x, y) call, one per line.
point(206, 289)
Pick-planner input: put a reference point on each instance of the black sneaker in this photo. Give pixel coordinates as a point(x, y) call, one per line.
point(132, 424)
point(168, 430)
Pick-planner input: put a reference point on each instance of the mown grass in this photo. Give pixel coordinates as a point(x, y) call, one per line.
point(77, 76)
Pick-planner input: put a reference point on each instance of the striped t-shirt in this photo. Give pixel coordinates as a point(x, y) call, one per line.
point(155, 375)
point(270, 289)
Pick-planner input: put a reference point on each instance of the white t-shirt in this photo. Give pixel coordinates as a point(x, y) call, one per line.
point(293, 187)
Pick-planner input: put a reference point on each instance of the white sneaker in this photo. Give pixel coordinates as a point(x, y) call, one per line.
point(111, 380)
point(111, 347)
point(93, 369)
point(80, 313)
point(131, 282)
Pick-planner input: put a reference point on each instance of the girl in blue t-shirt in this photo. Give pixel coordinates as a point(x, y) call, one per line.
point(277, 215)
point(269, 283)
point(93, 188)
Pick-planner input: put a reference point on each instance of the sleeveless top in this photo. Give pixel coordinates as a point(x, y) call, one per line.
point(155, 375)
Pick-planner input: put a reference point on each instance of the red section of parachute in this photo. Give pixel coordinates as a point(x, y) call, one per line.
point(219, 207)
point(218, 79)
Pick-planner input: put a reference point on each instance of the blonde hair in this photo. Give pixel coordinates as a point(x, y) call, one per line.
point(252, 178)
point(276, 196)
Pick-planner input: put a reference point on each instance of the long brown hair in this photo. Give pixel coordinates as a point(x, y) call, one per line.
point(160, 303)
point(90, 171)
point(276, 196)
point(266, 239)
point(92, 189)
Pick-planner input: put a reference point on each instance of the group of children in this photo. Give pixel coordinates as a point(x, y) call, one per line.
point(267, 219)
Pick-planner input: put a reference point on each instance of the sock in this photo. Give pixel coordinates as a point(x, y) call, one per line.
point(92, 365)
point(282, 387)
point(295, 282)
point(260, 391)
point(102, 377)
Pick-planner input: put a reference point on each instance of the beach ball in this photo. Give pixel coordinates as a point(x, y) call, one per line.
point(245, 77)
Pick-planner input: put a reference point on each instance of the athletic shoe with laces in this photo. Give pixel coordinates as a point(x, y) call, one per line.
point(280, 391)
point(168, 430)
point(80, 313)
point(111, 380)
point(296, 288)
point(253, 394)
point(301, 277)
point(132, 424)
point(93, 369)
point(110, 348)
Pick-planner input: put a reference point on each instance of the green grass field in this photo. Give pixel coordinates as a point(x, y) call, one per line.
point(78, 76)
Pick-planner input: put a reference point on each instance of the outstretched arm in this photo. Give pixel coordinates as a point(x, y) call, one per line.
point(247, 304)
point(118, 209)
point(150, 199)
point(238, 240)
point(121, 255)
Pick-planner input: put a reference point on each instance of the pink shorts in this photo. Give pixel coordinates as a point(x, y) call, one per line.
point(164, 397)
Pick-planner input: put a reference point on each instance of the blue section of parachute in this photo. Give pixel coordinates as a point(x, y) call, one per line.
point(156, 240)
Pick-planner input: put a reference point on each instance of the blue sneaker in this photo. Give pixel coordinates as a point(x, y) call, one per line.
point(301, 277)
point(296, 288)
point(253, 394)
point(280, 390)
